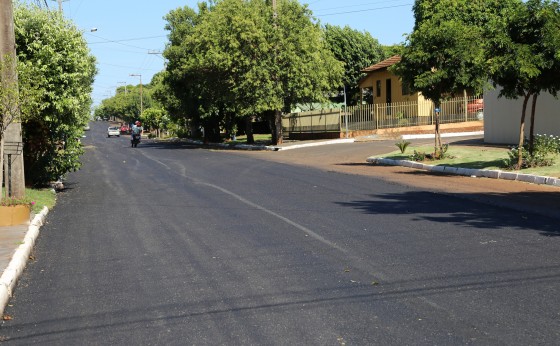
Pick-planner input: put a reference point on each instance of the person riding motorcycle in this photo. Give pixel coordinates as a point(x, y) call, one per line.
point(137, 131)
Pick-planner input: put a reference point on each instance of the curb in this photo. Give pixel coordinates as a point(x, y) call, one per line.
point(469, 172)
point(297, 146)
point(443, 135)
point(19, 259)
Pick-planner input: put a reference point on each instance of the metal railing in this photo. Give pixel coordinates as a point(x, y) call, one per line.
point(382, 116)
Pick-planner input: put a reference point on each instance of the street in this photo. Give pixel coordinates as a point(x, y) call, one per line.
point(172, 244)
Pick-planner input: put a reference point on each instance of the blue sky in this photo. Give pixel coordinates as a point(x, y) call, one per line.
point(127, 31)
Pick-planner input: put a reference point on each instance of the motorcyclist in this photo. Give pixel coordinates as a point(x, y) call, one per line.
point(137, 131)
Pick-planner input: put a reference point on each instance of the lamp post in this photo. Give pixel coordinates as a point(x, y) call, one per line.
point(141, 102)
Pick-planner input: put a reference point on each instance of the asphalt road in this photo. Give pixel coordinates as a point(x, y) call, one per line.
point(170, 244)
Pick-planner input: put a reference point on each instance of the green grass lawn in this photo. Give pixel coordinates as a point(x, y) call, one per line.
point(263, 139)
point(475, 157)
point(41, 197)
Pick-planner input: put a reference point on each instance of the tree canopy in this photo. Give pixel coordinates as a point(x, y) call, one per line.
point(356, 50)
point(445, 53)
point(53, 56)
point(234, 58)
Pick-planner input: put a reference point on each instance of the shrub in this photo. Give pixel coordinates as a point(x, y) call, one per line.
point(545, 150)
point(418, 156)
point(402, 145)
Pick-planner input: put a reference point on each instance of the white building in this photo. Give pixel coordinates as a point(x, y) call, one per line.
point(502, 117)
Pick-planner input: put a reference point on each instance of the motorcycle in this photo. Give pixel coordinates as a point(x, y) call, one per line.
point(135, 140)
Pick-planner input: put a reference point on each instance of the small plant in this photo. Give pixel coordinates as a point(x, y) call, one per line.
point(418, 156)
point(545, 150)
point(402, 145)
point(10, 201)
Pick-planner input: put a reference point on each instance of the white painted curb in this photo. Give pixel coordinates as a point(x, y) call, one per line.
point(19, 259)
point(315, 144)
point(469, 172)
point(443, 135)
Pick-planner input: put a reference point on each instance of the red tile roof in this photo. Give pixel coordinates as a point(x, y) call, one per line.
point(383, 64)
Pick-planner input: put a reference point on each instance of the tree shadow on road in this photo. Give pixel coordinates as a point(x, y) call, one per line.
point(489, 211)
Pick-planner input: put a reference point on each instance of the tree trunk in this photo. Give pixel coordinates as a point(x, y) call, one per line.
point(249, 130)
point(522, 132)
point(532, 130)
point(275, 122)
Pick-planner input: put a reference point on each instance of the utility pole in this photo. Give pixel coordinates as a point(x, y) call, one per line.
point(13, 164)
point(59, 5)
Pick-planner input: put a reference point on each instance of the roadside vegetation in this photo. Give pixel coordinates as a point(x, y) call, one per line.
point(464, 156)
point(39, 198)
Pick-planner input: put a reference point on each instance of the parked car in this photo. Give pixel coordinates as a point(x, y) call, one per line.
point(476, 106)
point(125, 129)
point(113, 131)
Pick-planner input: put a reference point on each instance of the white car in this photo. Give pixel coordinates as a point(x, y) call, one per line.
point(113, 131)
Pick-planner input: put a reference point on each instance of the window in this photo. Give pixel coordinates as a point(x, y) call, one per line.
point(378, 88)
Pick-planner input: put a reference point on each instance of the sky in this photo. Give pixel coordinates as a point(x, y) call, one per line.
point(130, 33)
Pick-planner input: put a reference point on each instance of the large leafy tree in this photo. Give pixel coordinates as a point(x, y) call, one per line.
point(445, 52)
point(236, 59)
point(356, 50)
point(303, 64)
point(524, 55)
point(53, 56)
point(181, 90)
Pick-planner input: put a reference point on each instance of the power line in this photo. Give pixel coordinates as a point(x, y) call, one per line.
point(128, 39)
point(358, 5)
point(364, 10)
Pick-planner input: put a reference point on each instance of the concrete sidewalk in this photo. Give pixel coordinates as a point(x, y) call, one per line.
point(16, 245)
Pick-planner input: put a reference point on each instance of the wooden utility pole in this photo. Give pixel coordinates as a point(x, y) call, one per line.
point(13, 155)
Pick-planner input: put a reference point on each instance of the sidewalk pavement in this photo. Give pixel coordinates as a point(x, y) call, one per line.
point(16, 244)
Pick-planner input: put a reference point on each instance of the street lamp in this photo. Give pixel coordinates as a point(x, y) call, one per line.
point(141, 101)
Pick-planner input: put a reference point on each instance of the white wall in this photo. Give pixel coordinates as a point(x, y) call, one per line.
point(502, 117)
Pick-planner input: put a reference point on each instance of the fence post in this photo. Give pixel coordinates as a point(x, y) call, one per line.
point(376, 115)
point(465, 105)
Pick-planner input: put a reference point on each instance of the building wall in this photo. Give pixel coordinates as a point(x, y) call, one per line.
point(396, 89)
point(502, 117)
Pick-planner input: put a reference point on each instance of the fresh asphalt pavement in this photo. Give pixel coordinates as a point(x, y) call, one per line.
point(169, 244)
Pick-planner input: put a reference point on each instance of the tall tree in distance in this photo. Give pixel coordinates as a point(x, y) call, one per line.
point(356, 50)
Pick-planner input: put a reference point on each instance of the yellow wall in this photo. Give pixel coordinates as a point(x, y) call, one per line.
point(396, 90)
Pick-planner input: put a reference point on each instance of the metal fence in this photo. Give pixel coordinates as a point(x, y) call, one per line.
point(382, 116)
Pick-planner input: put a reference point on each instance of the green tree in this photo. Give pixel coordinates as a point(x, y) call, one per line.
point(523, 54)
point(181, 90)
point(18, 99)
point(356, 50)
point(236, 61)
point(53, 57)
point(444, 54)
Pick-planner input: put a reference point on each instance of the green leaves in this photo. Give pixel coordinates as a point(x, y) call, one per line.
point(234, 58)
point(356, 50)
point(55, 64)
